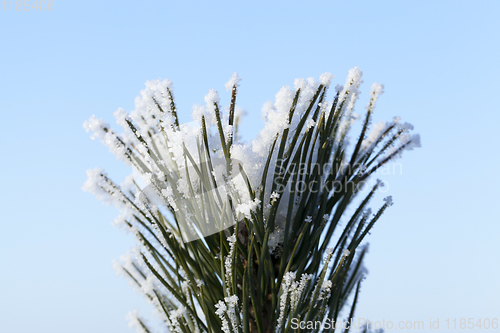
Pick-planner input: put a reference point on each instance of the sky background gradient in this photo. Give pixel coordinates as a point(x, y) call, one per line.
point(434, 254)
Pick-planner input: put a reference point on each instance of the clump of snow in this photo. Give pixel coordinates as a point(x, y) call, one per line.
point(121, 116)
point(273, 197)
point(233, 81)
point(325, 291)
point(300, 84)
point(212, 99)
point(246, 208)
point(310, 123)
point(96, 126)
point(198, 112)
point(95, 183)
point(155, 90)
point(326, 79)
point(276, 122)
point(153, 105)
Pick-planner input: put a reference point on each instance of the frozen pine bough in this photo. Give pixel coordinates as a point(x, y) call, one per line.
point(239, 236)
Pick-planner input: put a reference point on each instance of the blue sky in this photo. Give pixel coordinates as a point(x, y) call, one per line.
point(435, 254)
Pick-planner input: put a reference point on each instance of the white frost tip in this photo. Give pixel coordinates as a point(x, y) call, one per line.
point(94, 182)
point(233, 81)
point(388, 200)
point(96, 126)
point(377, 88)
point(326, 79)
point(231, 299)
point(212, 98)
point(121, 116)
point(274, 196)
point(310, 123)
point(300, 84)
point(308, 219)
point(198, 112)
point(354, 75)
point(346, 252)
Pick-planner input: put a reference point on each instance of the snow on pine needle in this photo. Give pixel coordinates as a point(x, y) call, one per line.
point(236, 236)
